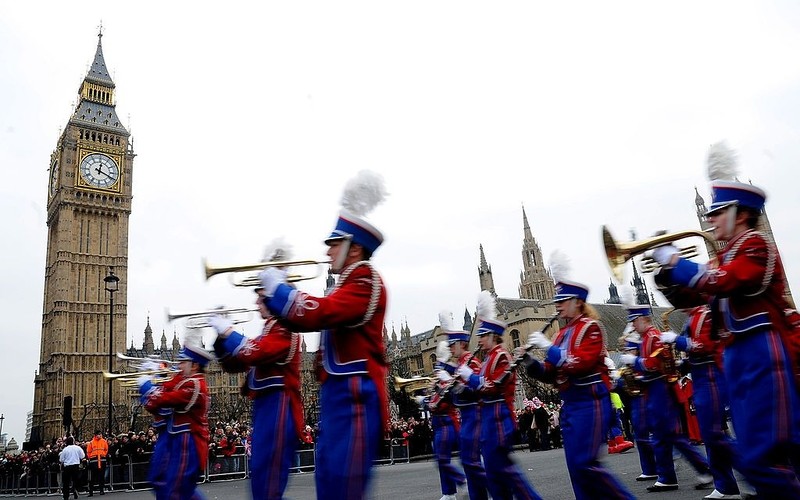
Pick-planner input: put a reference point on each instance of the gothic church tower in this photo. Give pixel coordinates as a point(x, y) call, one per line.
point(535, 280)
point(89, 203)
point(485, 274)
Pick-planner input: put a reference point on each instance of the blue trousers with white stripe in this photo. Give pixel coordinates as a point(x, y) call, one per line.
point(643, 435)
point(350, 437)
point(585, 419)
point(764, 408)
point(471, 452)
point(505, 479)
point(274, 445)
point(183, 469)
point(157, 475)
point(710, 400)
point(444, 439)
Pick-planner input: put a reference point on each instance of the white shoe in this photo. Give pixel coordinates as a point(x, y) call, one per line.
point(448, 497)
point(716, 495)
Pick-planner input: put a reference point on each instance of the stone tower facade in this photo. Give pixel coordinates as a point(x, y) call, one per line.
point(535, 282)
point(89, 203)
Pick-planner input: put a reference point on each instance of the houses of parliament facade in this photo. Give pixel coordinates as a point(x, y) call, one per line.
point(89, 205)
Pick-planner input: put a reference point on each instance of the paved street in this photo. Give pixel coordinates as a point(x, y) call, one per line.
point(419, 480)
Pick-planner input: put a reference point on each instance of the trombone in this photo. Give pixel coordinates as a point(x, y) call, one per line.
point(619, 253)
point(252, 279)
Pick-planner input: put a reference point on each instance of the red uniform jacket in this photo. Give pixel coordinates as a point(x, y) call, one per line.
point(351, 320)
point(273, 360)
point(188, 398)
point(697, 341)
point(498, 382)
point(577, 355)
point(650, 362)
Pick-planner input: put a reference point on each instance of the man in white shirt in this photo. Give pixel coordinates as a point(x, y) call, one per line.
point(70, 458)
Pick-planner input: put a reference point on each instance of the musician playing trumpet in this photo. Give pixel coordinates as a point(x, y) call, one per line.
point(187, 433)
point(272, 362)
point(660, 404)
point(574, 363)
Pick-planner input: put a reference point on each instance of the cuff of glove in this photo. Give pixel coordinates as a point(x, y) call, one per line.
point(683, 344)
point(555, 356)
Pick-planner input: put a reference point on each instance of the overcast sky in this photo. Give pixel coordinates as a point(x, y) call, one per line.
point(247, 121)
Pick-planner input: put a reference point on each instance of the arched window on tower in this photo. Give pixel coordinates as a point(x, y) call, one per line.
point(515, 338)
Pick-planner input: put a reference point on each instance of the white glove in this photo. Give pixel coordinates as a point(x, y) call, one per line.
point(149, 365)
point(464, 371)
point(142, 379)
point(537, 339)
point(270, 278)
point(609, 364)
point(220, 323)
point(443, 376)
point(443, 351)
point(627, 359)
point(668, 337)
point(420, 400)
point(663, 255)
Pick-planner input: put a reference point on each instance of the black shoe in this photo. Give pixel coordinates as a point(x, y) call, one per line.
point(90, 494)
point(661, 487)
point(102, 492)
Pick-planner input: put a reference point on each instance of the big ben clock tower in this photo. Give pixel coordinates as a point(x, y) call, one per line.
point(89, 203)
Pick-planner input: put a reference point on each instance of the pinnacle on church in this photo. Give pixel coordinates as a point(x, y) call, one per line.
point(176, 345)
point(163, 346)
point(148, 345)
point(467, 320)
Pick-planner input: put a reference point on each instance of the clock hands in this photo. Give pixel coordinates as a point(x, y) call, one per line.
point(99, 170)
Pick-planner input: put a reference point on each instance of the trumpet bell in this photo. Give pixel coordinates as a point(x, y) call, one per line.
point(412, 384)
point(618, 254)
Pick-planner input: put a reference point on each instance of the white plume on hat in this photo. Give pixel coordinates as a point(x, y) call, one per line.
point(626, 296)
point(278, 249)
point(487, 307)
point(363, 193)
point(722, 162)
point(446, 321)
point(193, 338)
point(559, 266)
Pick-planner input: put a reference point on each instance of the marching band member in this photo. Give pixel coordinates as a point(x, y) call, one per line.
point(710, 397)
point(467, 401)
point(574, 363)
point(660, 405)
point(496, 383)
point(641, 426)
point(187, 434)
point(748, 307)
point(159, 460)
point(445, 424)
point(354, 397)
point(273, 383)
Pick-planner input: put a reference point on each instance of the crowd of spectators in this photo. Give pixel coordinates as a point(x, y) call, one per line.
point(538, 429)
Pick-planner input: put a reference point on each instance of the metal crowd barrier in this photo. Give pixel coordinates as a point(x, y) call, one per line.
point(393, 451)
point(130, 473)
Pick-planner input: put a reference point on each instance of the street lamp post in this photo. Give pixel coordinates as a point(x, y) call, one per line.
point(112, 285)
point(2, 417)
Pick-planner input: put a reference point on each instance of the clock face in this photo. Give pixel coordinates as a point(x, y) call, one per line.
point(53, 178)
point(99, 170)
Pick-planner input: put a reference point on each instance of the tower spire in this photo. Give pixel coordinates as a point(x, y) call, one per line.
point(485, 274)
point(535, 282)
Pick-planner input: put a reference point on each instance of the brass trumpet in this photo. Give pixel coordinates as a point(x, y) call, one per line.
point(252, 279)
point(210, 312)
point(412, 384)
point(619, 253)
point(135, 375)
